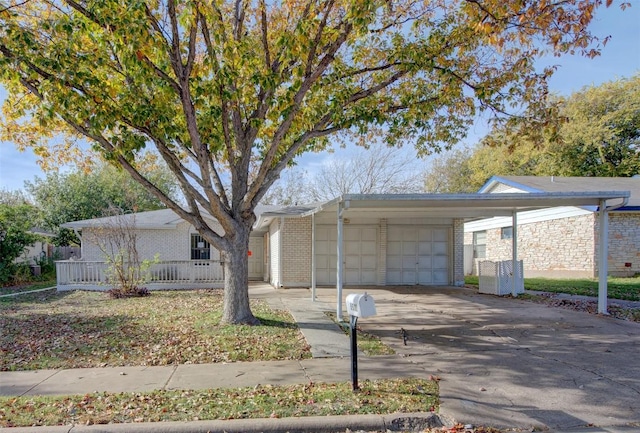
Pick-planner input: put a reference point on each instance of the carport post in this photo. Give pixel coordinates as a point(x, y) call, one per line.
point(603, 257)
point(313, 257)
point(341, 207)
point(514, 252)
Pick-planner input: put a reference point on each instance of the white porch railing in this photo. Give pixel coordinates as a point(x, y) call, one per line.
point(175, 274)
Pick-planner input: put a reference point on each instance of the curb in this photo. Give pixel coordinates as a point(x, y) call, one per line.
point(312, 424)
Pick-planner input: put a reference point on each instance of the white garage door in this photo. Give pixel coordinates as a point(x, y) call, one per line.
point(360, 253)
point(326, 238)
point(417, 255)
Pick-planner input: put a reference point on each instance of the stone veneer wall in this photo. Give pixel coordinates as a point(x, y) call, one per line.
point(624, 243)
point(296, 252)
point(560, 247)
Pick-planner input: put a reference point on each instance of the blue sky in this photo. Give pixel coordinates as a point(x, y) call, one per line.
point(620, 58)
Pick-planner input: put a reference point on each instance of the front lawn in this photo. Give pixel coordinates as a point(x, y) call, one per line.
point(619, 288)
point(89, 329)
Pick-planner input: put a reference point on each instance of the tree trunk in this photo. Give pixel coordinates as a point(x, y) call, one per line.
point(236, 309)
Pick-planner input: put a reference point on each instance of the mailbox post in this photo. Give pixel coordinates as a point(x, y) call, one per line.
point(357, 306)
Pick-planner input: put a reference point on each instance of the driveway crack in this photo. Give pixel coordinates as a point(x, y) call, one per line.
point(586, 370)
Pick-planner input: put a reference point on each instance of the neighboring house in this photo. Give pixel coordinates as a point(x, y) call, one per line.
point(560, 241)
point(38, 250)
point(405, 239)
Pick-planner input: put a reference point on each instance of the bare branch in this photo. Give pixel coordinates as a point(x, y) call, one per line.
point(263, 28)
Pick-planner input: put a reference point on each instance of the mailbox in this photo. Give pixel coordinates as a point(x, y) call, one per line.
point(360, 305)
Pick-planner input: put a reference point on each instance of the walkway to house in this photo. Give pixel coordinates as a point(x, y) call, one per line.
point(501, 362)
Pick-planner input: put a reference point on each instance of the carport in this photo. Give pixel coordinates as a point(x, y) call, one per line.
point(458, 208)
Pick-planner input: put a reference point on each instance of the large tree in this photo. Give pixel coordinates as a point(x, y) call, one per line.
point(230, 92)
point(601, 133)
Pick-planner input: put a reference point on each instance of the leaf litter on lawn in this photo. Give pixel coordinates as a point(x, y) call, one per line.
point(89, 329)
point(311, 399)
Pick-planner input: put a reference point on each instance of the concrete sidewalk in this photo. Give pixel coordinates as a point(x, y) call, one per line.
point(201, 376)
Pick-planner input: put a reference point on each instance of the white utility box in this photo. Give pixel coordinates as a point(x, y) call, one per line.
point(360, 305)
point(497, 278)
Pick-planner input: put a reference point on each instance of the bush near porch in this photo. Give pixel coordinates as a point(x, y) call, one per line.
point(88, 329)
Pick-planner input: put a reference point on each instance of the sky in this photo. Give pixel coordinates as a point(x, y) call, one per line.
point(620, 58)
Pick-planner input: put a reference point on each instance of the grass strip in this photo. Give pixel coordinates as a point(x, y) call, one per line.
point(374, 397)
point(369, 344)
point(618, 288)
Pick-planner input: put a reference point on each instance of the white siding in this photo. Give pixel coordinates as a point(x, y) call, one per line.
point(527, 218)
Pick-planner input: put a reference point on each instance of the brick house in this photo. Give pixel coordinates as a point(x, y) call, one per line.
point(401, 239)
point(560, 241)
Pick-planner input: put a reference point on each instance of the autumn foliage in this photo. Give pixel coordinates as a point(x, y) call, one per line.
point(229, 93)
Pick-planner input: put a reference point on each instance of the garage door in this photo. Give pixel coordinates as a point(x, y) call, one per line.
point(360, 253)
point(417, 255)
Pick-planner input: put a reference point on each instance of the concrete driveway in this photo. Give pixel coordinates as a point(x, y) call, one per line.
point(509, 362)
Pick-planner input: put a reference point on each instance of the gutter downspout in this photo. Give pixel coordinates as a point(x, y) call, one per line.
point(603, 252)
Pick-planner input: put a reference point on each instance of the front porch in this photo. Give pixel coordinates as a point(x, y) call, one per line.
point(173, 274)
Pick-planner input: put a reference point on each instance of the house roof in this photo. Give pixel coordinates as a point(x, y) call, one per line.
point(465, 206)
point(538, 184)
point(155, 219)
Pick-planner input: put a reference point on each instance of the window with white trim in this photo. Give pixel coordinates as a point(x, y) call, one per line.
point(480, 245)
point(200, 248)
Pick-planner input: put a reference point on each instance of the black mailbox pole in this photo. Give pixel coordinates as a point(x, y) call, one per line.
point(353, 321)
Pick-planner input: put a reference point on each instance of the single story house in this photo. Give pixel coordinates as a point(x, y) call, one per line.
point(399, 239)
point(560, 241)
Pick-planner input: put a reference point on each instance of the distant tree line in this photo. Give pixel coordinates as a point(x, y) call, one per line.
point(593, 132)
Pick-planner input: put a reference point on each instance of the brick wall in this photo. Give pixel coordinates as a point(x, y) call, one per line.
point(296, 252)
point(174, 244)
point(458, 252)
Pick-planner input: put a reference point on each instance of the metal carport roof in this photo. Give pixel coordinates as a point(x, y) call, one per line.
point(462, 206)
